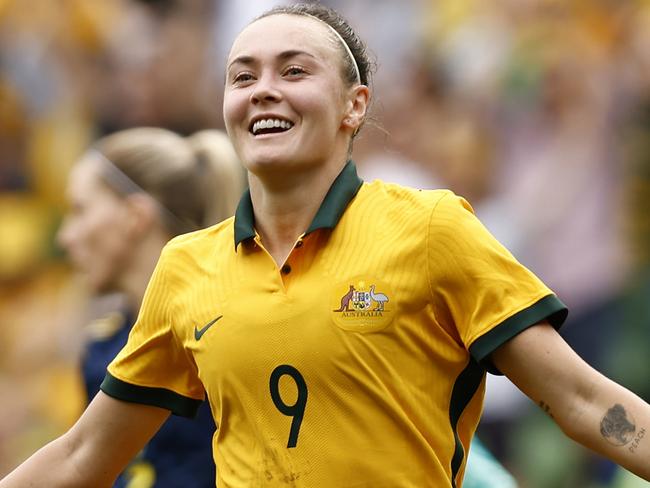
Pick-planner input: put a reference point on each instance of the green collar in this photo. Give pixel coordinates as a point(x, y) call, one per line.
point(345, 187)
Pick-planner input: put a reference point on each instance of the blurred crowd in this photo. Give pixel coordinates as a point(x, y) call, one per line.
point(537, 111)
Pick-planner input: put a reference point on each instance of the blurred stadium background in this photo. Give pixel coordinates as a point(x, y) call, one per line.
point(538, 111)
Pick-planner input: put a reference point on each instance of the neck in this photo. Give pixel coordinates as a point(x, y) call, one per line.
point(283, 212)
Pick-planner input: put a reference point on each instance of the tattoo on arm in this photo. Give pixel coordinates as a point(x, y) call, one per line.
point(617, 426)
point(637, 440)
point(547, 409)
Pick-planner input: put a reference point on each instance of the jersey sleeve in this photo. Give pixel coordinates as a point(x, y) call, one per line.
point(481, 293)
point(153, 368)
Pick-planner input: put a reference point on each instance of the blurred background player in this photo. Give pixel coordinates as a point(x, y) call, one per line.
point(129, 194)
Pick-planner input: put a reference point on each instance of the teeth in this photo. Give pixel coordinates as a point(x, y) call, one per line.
point(271, 123)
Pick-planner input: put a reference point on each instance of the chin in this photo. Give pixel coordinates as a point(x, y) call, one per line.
point(268, 160)
point(275, 150)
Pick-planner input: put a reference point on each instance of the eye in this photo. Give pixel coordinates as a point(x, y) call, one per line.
point(241, 78)
point(294, 71)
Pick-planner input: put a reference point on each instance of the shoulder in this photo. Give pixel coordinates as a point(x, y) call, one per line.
point(190, 250)
point(414, 200)
point(202, 238)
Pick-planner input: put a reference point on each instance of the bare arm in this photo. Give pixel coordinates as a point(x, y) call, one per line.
point(588, 407)
point(95, 450)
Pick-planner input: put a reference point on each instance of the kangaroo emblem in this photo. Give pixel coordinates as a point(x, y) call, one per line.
point(345, 300)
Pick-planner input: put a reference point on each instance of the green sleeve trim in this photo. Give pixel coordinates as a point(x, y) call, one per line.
point(465, 387)
point(157, 397)
point(549, 308)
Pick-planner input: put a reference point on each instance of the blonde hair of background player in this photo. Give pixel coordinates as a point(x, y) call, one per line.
point(137, 188)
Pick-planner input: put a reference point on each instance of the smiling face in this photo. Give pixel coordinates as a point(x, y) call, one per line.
point(285, 102)
point(94, 233)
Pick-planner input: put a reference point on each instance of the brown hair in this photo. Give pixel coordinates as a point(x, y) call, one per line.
point(336, 21)
point(197, 180)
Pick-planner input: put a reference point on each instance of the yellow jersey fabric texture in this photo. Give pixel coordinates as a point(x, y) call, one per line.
point(358, 363)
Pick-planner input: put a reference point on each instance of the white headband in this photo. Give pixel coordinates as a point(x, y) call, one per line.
point(345, 45)
point(122, 183)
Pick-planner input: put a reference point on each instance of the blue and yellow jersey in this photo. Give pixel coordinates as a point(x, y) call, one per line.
point(359, 362)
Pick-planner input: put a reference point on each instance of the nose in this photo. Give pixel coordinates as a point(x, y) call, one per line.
point(265, 90)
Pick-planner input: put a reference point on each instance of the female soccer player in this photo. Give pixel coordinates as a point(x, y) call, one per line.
point(129, 195)
point(341, 330)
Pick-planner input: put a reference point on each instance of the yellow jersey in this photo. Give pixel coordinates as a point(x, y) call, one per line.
point(358, 363)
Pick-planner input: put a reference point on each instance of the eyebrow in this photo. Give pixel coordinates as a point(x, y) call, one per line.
point(284, 55)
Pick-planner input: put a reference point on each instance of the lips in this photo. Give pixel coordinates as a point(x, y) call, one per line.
point(269, 125)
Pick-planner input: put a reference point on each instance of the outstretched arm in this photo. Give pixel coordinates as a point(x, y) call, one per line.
point(589, 408)
point(95, 450)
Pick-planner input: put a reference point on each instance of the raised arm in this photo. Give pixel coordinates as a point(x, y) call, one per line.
point(588, 407)
point(95, 450)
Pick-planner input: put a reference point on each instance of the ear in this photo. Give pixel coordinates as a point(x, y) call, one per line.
point(143, 213)
point(357, 106)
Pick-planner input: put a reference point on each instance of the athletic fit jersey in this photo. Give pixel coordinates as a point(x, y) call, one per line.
point(359, 363)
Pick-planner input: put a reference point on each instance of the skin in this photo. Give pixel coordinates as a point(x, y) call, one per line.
point(289, 176)
point(95, 450)
point(112, 240)
point(290, 172)
point(588, 407)
point(94, 209)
